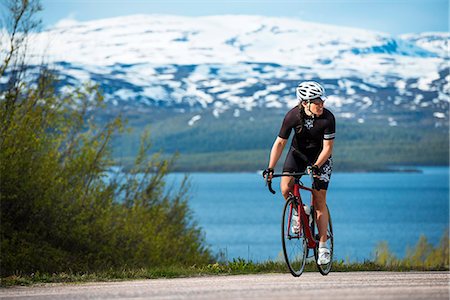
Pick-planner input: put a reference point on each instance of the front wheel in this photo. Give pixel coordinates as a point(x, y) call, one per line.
point(293, 239)
point(323, 269)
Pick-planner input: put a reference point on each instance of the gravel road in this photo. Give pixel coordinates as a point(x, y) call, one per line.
point(353, 285)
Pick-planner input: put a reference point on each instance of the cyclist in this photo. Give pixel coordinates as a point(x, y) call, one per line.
point(312, 145)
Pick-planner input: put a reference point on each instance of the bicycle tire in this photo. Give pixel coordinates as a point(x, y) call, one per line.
point(294, 245)
point(324, 269)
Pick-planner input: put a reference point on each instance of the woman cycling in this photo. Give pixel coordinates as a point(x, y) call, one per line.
point(312, 145)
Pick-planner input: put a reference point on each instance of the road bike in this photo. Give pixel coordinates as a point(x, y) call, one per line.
point(297, 241)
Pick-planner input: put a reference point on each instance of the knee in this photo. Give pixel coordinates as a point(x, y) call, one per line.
point(285, 189)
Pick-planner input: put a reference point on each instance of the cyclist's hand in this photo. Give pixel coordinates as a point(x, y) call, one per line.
point(267, 174)
point(315, 170)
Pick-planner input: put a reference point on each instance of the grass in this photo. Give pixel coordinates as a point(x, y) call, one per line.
point(423, 257)
point(236, 267)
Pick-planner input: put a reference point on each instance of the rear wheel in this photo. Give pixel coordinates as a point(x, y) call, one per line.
point(294, 243)
point(323, 269)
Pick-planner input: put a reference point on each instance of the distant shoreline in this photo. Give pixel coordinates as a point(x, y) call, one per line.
point(395, 169)
point(408, 169)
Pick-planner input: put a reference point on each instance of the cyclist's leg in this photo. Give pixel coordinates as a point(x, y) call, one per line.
point(291, 165)
point(320, 205)
point(320, 198)
point(287, 186)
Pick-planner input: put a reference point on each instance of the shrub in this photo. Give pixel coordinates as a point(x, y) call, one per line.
point(60, 208)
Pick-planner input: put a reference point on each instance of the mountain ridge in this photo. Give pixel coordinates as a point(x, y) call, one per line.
point(220, 63)
point(216, 88)
point(192, 31)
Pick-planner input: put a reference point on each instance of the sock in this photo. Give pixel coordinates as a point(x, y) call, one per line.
point(323, 245)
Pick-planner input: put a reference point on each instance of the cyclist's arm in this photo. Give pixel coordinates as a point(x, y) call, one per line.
point(277, 150)
point(325, 153)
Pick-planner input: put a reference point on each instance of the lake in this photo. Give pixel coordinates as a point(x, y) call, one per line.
point(241, 218)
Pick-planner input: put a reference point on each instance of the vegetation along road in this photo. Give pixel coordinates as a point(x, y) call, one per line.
point(350, 285)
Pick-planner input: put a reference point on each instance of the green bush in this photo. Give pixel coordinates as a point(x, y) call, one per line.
point(60, 213)
point(61, 209)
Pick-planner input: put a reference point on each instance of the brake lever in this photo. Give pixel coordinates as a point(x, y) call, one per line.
point(309, 169)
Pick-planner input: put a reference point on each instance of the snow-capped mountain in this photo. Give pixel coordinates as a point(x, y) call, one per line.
point(218, 63)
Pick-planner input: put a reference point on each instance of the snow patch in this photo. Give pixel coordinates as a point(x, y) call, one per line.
point(194, 119)
point(347, 115)
point(425, 83)
point(392, 122)
point(439, 115)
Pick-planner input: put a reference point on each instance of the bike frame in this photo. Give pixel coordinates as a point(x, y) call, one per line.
point(305, 219)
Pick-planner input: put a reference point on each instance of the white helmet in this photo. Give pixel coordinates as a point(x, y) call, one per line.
point(308, 90)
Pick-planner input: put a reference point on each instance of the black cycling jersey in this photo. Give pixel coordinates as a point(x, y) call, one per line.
point(308, 142)
point(308, 139)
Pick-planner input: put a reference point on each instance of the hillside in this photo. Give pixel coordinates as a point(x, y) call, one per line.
point(243, 143)
point(215, 88)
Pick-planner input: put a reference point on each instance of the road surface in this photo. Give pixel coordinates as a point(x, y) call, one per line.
point(352, 285)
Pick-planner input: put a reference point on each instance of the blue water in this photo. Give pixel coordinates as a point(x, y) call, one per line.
point(240, 218)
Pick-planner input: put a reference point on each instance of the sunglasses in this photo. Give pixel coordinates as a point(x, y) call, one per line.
point(317, 101)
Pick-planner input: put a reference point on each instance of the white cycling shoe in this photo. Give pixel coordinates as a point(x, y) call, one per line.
point(324, 256)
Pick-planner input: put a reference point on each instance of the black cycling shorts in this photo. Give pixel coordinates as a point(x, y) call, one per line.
point(294, 164)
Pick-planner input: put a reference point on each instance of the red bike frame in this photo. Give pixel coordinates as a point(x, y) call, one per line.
point(297, 187)
point(305, 219)
point(296, 199)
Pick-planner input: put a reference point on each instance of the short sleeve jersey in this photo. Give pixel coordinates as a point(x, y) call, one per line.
point(309, 138)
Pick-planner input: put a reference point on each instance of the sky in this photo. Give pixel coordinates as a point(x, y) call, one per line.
point(390, 16)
